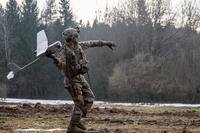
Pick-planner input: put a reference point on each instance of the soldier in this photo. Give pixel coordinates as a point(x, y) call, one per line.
point(72, 62)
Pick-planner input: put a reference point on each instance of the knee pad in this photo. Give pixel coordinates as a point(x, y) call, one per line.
point(87, 105)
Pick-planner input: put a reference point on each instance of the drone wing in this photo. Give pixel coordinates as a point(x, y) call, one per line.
point(42, 43)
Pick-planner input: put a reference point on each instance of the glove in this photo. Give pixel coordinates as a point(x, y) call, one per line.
point(83, 70)
point(111, 45)
point(49, 54)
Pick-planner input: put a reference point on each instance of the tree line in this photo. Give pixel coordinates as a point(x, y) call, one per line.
point(156, 59)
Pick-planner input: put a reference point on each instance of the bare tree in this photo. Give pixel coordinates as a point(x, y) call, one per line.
point(190, 15)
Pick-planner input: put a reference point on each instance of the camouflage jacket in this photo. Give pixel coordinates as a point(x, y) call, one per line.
point(70, 59)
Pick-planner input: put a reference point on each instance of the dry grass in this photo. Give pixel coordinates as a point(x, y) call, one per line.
point(114, 120)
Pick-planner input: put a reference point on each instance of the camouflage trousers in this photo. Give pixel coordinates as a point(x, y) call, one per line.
point(83, 98)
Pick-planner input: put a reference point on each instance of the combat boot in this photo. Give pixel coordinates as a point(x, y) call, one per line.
point(75, 129)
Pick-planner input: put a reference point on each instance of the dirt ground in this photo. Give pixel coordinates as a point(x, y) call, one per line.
point(112, 119)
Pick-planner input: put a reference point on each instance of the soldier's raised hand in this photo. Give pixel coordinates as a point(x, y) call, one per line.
point(111, 45)
point(49, 53)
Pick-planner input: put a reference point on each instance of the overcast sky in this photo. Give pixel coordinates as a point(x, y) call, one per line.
point(82, 9)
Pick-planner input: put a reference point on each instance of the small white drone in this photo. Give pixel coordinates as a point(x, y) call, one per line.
point(42, 47)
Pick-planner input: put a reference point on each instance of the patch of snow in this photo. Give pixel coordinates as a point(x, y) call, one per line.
point(33, 101)
point(151, 104)
point(2, 99)
point(98, 103)
point(38, 130)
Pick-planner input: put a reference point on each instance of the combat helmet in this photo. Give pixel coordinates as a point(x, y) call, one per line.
point(71, 33)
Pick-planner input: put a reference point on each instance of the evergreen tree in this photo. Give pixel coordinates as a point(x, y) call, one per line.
point(12, 15)
point(66, 13)
point(1, 9)
point(143, 15)
point(26, 81)
point(50, 12)
point(88, 24)
point(2, 28)
point(11, 38)
point(29, 25)
point(54, 31)
point(2, 47)
point(12, 18)
point(95, 23)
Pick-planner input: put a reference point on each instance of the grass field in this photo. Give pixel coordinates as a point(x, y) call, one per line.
point(112, 119)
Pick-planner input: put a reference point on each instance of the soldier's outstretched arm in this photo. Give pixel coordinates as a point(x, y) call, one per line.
point(96, 43)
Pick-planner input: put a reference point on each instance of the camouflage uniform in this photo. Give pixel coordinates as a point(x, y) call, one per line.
point(70, 60)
